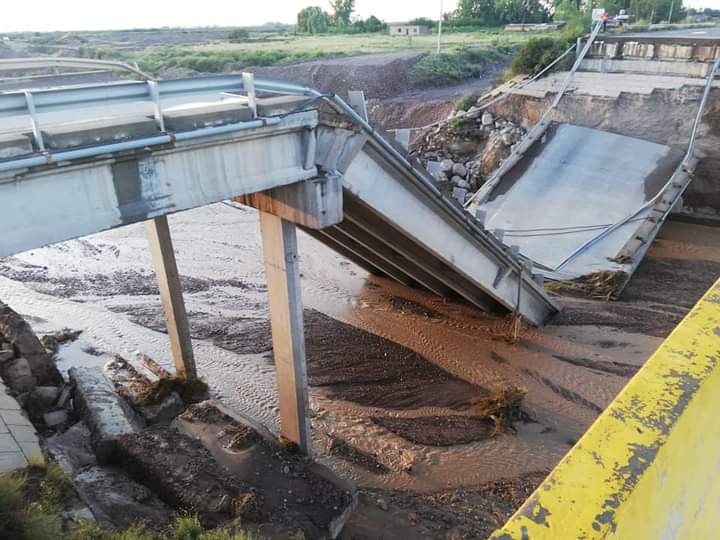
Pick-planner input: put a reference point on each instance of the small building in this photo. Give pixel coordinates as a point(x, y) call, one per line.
point(408, 30)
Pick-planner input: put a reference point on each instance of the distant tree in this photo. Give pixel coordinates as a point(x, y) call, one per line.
point(373, 24)
point(482, 11)
point(342, 9)
point(423, 21)
point(239, 34)
point(313, 20)
point(521, 11)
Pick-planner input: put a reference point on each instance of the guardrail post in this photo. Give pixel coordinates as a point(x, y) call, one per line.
point(248, 80)
point(288, 336)
point(168, 279)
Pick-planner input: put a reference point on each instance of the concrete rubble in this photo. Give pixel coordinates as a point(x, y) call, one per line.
point(106, 414)
point(462, 152)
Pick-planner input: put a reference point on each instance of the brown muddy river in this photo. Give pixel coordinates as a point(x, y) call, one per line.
point(394, 372)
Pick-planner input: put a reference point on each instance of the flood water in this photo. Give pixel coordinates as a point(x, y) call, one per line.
point(377, 351)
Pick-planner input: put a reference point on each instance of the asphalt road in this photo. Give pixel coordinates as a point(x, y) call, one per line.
point(712, 32)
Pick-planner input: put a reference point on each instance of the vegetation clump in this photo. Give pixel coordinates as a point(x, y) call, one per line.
point(445, 68)
point(32, 502)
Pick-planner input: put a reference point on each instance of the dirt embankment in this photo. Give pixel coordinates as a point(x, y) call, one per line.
point(395, 98)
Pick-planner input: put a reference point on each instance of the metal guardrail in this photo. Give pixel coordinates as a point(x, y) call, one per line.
point(19, 64)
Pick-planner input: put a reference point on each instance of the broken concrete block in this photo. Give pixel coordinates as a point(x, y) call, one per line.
point(189, 117)
point(186, 476)
point(57, 419)
point(17, 375)
point(18, 333)
point(72, 449)
point(104, 131)
point(163, 412)
point(44, 397)
point(107, 415)
point(117, 501)
point(12, 145)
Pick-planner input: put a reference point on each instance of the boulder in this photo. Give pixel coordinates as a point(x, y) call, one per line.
point(45, 397)
point(487, 119)
point(461, 147)
point(57, 419)
point(474, 112)
point(18, 376)
point(459, 170)
point(446, 165)
point(507, 138)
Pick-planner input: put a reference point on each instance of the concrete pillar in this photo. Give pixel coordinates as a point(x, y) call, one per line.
point(286, 317)
point(163, 258)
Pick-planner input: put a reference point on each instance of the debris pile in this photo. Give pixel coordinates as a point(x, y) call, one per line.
point(598, 285)
point(29, 372)
point(137, 446)
point(464, 151)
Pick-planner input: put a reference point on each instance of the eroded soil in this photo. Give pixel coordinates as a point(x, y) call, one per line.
point(381, 357)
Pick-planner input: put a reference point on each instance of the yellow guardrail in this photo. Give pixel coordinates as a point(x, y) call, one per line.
point(649, 467)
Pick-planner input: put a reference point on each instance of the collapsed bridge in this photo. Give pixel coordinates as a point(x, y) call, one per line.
point(79, 160)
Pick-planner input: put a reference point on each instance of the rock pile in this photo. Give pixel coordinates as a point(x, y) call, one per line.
point(29, 372)
point(466, 149)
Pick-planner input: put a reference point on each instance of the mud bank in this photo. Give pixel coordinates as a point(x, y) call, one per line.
point(395, 98)
point(381, 356)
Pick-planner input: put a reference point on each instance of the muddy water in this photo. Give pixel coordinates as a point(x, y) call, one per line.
point(444, 354)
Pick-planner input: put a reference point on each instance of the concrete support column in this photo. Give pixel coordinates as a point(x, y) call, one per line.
point(286, 314)
point(163, 258)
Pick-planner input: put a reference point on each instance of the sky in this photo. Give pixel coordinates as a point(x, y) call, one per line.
point(43, 15)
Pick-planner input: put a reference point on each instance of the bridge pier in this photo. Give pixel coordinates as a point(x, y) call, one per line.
point(163, 257)
point(286, 319)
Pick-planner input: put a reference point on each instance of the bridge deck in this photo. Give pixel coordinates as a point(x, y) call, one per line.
point(572, 184)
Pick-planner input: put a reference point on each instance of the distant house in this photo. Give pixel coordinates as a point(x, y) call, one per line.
point(408, 30)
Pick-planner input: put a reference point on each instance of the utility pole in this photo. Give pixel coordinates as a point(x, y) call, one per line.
point(672, 5)
point(440, 27)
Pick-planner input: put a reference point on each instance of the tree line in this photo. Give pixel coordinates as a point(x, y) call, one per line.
point(479, 13)
point(315, 20)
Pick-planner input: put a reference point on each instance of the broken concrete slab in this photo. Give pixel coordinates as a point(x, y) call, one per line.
point(18, 333)
point(72, 449)
point(118, 501)
point(103, 131)
point(15, 144)
point(114, 499)
point(44, 397)
point(185, 476)
point(107, 415)
point(190, 117)
point(57, 419)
